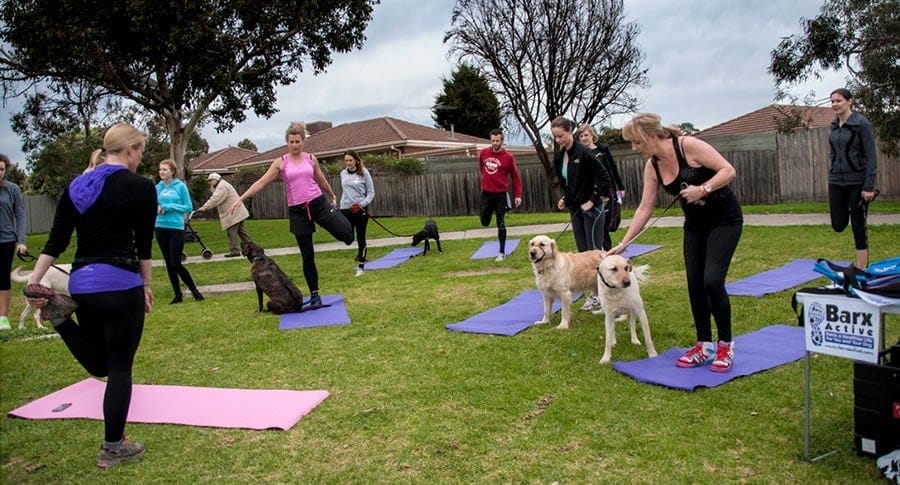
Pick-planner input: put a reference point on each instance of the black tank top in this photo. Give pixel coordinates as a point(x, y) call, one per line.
point(721, 207)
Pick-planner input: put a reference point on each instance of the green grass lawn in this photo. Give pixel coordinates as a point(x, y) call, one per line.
point(412, 402)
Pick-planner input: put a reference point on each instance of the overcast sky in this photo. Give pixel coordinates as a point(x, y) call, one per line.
point(707, 64)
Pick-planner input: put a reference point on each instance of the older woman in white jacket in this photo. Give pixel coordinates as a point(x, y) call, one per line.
point(224, 196)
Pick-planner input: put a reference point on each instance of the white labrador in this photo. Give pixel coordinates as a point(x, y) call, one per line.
point(618, 287)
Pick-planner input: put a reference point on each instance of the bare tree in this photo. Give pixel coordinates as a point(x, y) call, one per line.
point(548, 58)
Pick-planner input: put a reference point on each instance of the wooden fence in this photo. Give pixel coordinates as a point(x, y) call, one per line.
point(771, 168)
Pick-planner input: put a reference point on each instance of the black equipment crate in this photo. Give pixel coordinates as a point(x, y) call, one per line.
point(876, 409)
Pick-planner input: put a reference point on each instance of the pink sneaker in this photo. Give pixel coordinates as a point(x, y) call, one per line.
point(701, 353)
point(724, 357)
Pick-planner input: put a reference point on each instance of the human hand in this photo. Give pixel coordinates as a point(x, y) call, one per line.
point(617, 249)
point(235, 206)
point(621, 195)
point(561, 205)
point(868, 196)
point(355, 208)
point(148, 299)
point(587, 206)
point(37, 295)
point(517, 201)
point(21, 248)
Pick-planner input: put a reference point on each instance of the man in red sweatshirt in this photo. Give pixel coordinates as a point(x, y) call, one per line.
point(497, 167)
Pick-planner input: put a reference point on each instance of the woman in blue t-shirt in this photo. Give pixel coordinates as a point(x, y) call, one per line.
point(174, 202)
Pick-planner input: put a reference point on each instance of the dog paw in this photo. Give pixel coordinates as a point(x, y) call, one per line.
point(605, 359)
point(541, 322)
point(635, 341)
point(652, 353)
point(562, 326)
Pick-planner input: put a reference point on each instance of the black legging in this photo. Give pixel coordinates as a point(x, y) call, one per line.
point(846, 204)
point(104, 341)
point(308, 253)
point(171, 244)
point(495, 204)
point(7, 251)
point(707, 256)
point(359, 221)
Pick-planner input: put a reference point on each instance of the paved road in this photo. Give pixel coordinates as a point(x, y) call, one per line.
point(556, 228)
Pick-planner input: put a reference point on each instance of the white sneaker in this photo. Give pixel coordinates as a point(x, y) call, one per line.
point(360, 272)
point(500, 257)
point(591, 304)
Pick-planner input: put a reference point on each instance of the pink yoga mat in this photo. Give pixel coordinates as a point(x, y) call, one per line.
point(193, 406)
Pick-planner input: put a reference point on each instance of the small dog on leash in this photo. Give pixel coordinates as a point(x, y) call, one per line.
point(618, 287)
point(284, 296)
point(430, 231)
point(559, 274)
point(56, 278)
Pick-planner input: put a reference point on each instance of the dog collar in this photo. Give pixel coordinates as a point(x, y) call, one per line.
point(600, 274)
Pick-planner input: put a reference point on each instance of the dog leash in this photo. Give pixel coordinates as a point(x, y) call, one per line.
point(28, 258)
point(370, 216)
point(655, 220)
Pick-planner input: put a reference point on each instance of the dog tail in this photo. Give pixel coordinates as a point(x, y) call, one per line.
point(18, 276)
point(641, 273)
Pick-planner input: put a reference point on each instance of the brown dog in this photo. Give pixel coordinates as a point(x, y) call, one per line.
point(284, 296)
point(558, 275)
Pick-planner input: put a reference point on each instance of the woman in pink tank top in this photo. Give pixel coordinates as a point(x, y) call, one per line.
point(310, 201)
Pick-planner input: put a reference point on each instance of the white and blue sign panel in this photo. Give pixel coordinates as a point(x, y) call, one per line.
point(841, 326)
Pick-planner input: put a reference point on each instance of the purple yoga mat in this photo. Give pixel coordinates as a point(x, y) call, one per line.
point(395, 257)
point(509, 318)
point(192, 406)
point(491, 249)
point(336, 314)
point(790, 275)
point(635, 250)
point(753, 352)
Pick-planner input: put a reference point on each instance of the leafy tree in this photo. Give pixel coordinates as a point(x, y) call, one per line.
point(551, 58)
point(610, 136)
point(467, 104)
point(59, 161)
point(688, 128)
point(182, 61)
point(16, 175)
point(246, 144)
point(861, 36)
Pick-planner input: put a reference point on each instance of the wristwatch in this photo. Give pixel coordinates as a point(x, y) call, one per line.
point(707, 188)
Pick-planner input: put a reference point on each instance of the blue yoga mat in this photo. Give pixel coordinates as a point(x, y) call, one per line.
point(509, 318)
point(491, 249)
point(636, 250)
point(790, 275)
point(336, 314)
point(753, 352)
point(395, 257)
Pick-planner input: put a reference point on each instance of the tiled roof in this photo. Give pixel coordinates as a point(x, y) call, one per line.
point(219, 159)
point(377, 134)
point(766, 120)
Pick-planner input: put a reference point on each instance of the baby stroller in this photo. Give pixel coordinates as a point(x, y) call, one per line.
point(190, 235)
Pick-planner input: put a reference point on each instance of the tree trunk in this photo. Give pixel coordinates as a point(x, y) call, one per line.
point(544, 157)
point(177, 141)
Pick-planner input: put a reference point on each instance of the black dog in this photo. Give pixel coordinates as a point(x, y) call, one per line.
point(430, 231)
point(284, 296)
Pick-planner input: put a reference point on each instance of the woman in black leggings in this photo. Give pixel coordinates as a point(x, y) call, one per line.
point(112, 210)
point(693, 170)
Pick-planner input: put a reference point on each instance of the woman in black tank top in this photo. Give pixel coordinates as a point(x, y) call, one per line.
point(695, 172)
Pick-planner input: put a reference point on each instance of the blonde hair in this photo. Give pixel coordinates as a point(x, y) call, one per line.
point(121, 136)
point(296, 128)
point(172, 167)
point(587, 128)
point(98, 157)
point(644, 126)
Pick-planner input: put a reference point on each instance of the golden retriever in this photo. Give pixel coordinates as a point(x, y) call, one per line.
point(56, 278)
point(618, 287)
point(558, 275)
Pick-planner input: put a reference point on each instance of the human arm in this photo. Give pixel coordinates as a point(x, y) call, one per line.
point(321, 180)
point(146, 267)
point(19, 212)
point(370, 189)
point(516, 181)
point(270, 175)
point(644, 211)
point(703, 154)
point(600, 182)
point(181, 205)
point(870, 150)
